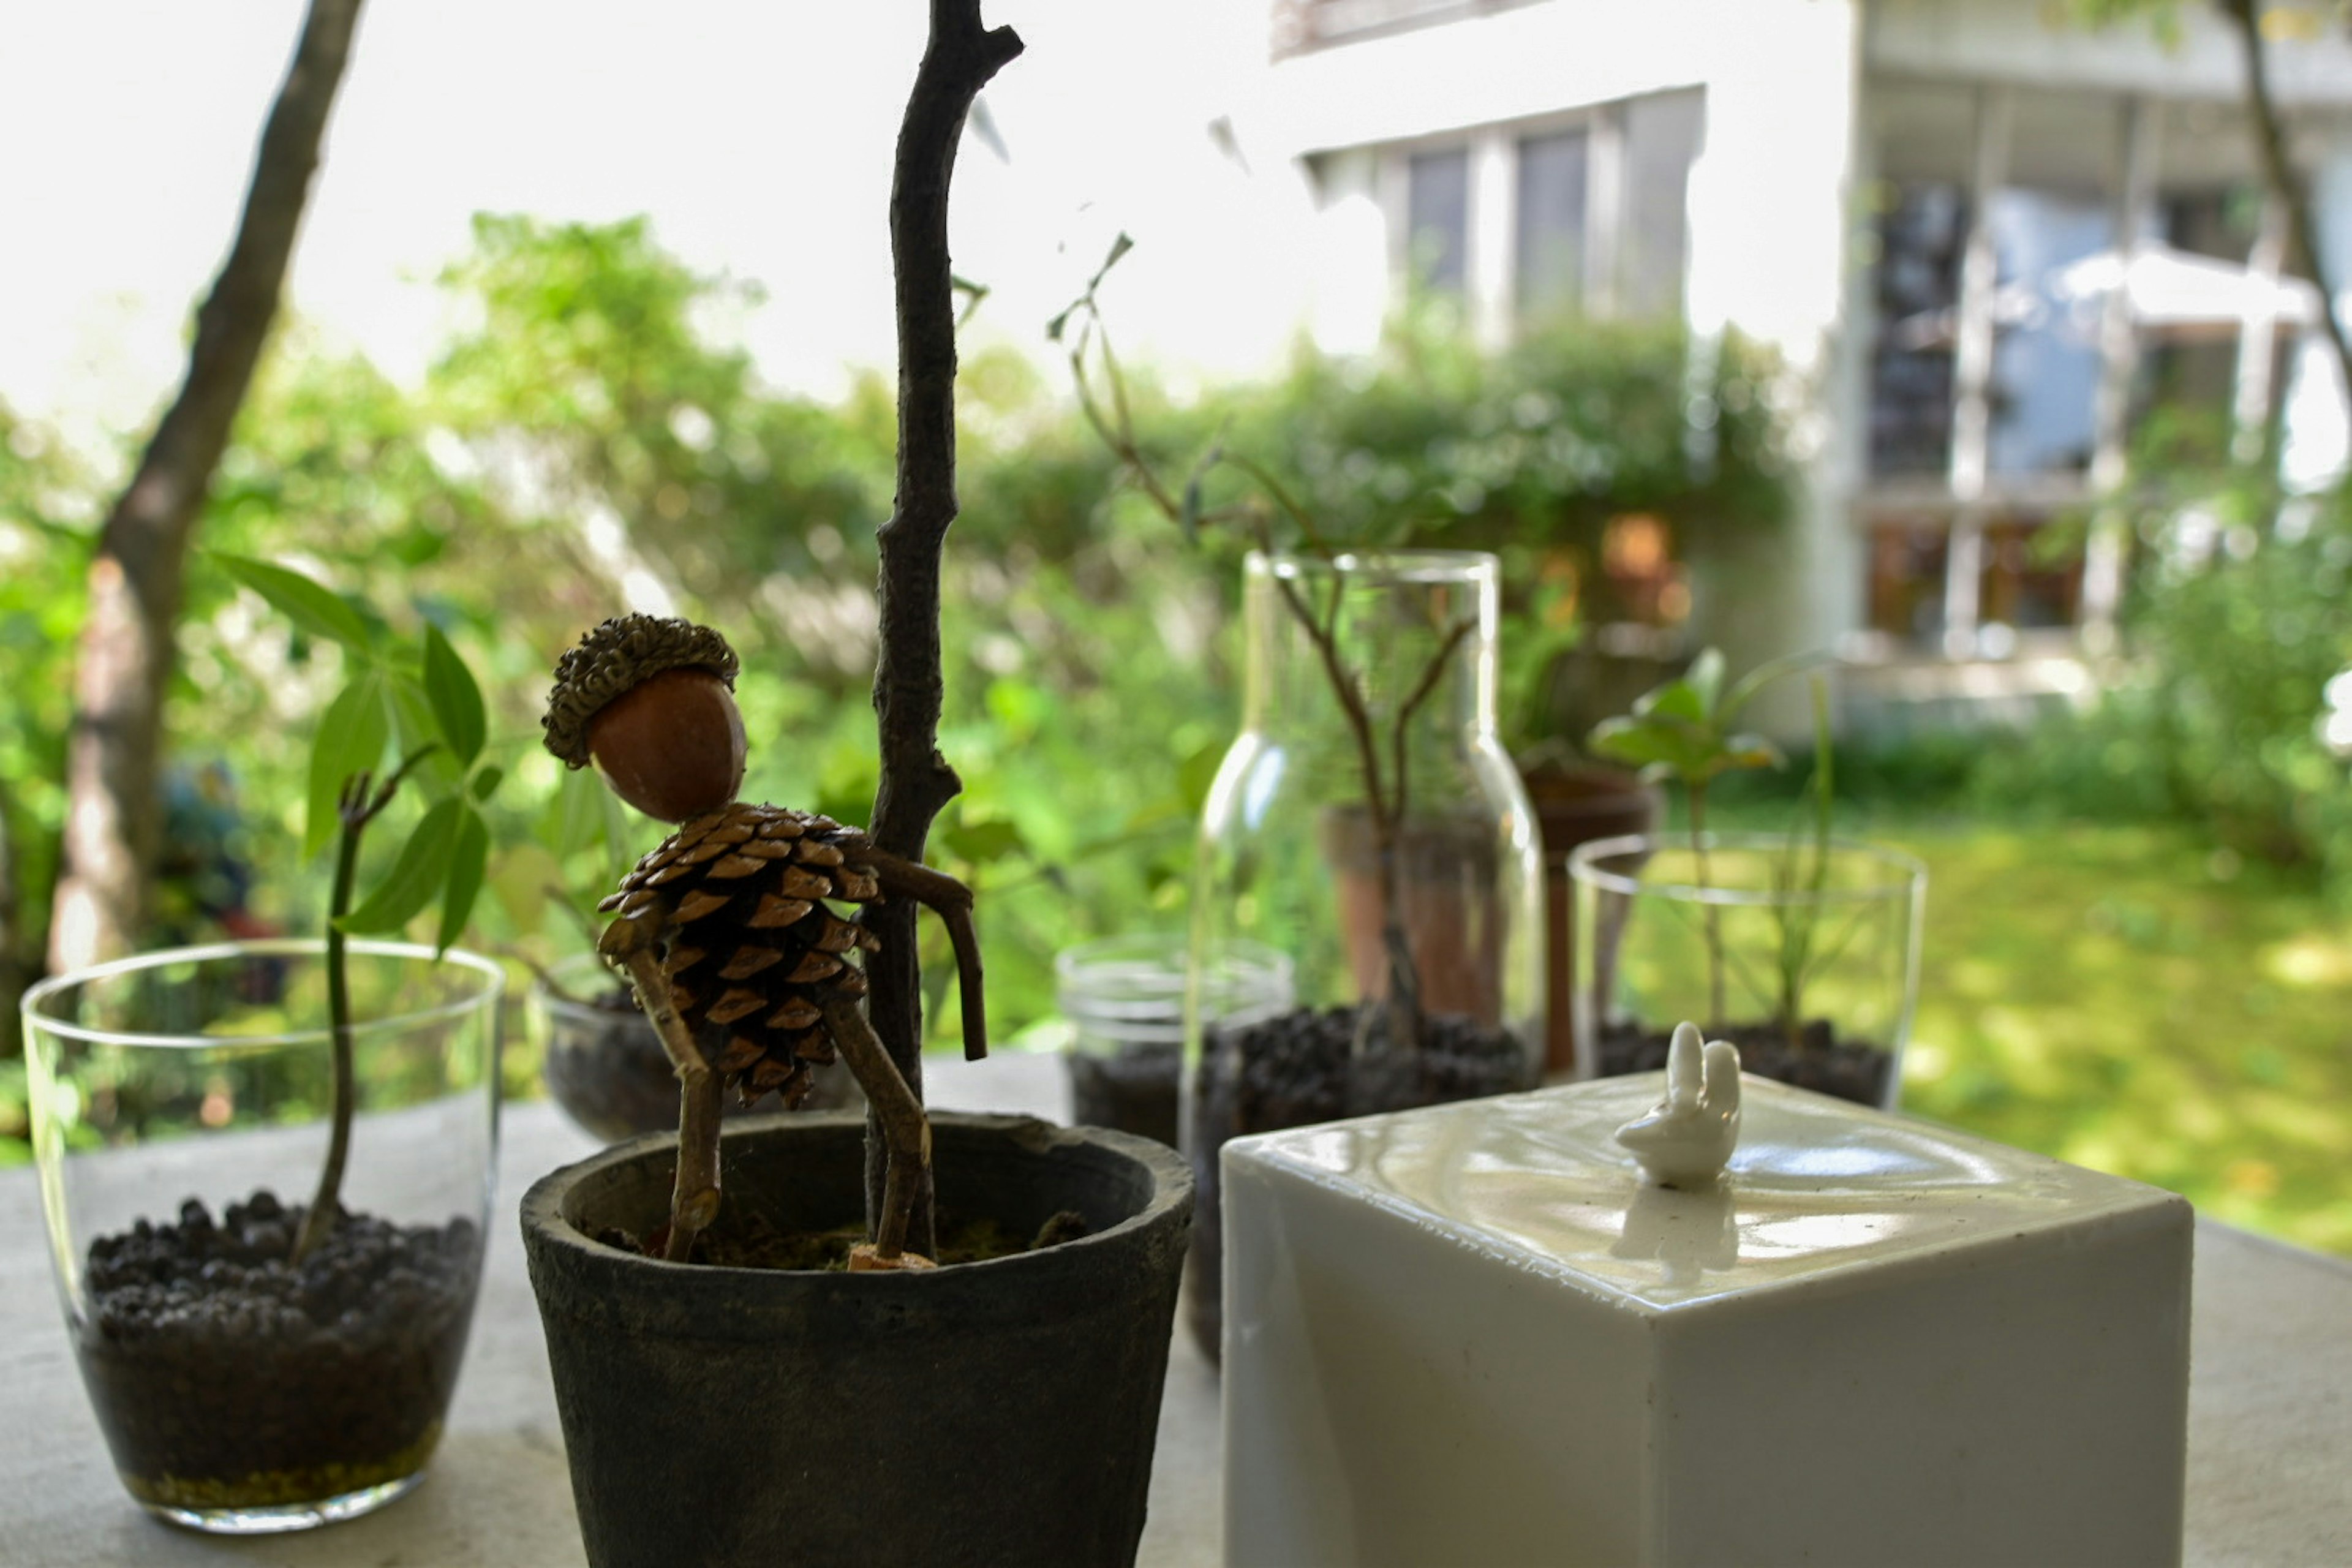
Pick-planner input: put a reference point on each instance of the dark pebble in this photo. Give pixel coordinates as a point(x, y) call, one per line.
point(210, 1359)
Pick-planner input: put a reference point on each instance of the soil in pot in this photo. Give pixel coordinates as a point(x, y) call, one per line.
point(744, 1237)
point(1817, 1059)
point(1131, 1088)
point(1302, 1067)
point(227, 1377)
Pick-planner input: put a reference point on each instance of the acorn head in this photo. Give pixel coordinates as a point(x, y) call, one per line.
point(650, 701)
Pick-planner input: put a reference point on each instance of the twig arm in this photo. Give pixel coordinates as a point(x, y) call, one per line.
point(951, 901)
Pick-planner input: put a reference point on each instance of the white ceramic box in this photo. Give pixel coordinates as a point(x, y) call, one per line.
point(1472, 1334)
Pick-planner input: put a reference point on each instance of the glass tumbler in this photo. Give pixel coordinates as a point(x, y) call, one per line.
point(182, 1104)
point(1804, 954)
point(1124, 997)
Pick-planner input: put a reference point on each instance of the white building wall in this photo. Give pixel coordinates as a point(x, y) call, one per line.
point(2016, 41)
point(1769, 205)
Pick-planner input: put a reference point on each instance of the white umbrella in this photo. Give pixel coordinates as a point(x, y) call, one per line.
point(2170, 292)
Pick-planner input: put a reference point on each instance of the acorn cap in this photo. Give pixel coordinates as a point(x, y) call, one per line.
point(615, 656)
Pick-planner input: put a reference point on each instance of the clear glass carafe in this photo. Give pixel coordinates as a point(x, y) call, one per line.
point(1368, 824)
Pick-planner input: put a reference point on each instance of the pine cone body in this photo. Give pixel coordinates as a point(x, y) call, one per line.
point(748, 941)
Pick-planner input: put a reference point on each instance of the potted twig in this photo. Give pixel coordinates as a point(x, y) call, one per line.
point(823, 1366)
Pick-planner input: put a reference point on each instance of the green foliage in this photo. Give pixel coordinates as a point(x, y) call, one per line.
point(2235, 627)
point(1682, 729)
point(586, 426)
point(423, 698)
point(47, 525)
point(1091, 666)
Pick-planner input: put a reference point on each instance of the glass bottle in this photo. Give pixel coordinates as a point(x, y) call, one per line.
point(1368, 824)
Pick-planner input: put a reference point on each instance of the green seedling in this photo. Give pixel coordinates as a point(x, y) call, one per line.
point(414, 700)
point(1685, 731)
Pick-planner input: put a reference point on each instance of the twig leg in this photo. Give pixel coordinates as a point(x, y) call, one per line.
point(693, 1198)
point(905, 1132)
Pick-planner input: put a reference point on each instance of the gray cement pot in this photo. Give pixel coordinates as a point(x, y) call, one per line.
point(997, 1413)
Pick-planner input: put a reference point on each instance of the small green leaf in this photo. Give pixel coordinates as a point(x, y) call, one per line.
point(421, 870)
point(1706, 677)
point(308, 604)
point(574, 818)
point(985, 841)
point(456, 701)
point(469, 855)
point(486, 783)
point(1197, 774)
point(1119, 248)
point(1679, 699)
point(352, 735)
point(1638, 745)
point(1751, 752)
point(417, 726)
point(521, 879)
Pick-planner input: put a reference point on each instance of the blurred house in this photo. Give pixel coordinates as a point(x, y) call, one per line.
point(1987, 244)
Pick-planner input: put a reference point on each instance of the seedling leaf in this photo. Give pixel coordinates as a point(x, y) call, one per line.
point(350, 740)
point(308, 604)
point(421, 872)
point(468, 858)
point(456, 701)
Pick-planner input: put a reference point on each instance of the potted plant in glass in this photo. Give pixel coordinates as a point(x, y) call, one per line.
point(1800, 948)
point(913, 1406)
point(284, 1362)
point(1367, 823)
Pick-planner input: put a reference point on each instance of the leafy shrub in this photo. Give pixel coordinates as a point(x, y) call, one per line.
point(2237, 624)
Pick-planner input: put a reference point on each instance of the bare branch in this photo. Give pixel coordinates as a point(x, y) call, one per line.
point(916, 779)
point(2286, 187)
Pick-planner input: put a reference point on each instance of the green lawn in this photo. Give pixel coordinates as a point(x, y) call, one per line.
point(2119, 998)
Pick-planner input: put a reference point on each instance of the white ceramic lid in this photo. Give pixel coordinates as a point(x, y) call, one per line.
point(1816, 1188)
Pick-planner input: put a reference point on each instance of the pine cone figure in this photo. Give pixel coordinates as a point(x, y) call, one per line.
point(748, 942)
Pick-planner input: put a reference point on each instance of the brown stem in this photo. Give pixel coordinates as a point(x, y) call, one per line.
point(1385, 799)
point(136, 577)
point(354, 809)
point(630, 941)
point(1710, 918)
point(2270, 139)
point(1404, 975)
point(916, 779)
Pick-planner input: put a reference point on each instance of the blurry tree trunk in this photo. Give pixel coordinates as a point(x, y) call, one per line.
point(137, 578)
point(916, 779)
point(2278, 173)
